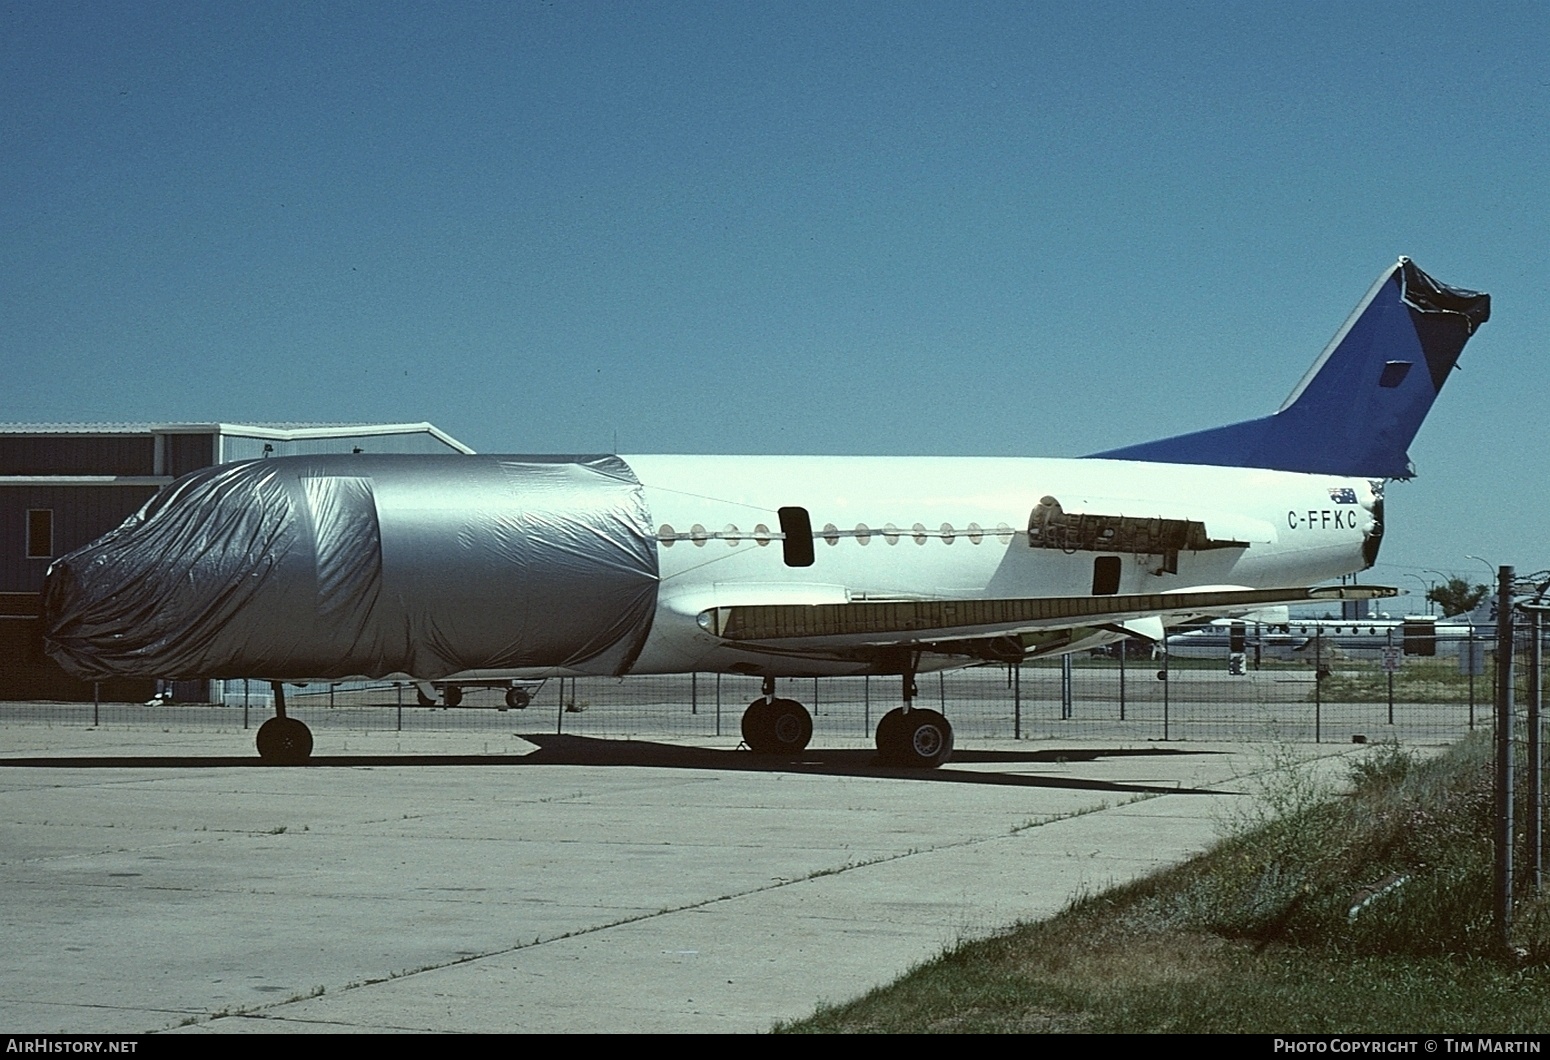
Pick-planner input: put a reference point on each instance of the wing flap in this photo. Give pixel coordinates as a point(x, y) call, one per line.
point(870, 623)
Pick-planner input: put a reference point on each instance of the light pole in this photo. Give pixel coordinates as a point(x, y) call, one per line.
point(1494, 575)
point(1442, 579)
point(1428, 598)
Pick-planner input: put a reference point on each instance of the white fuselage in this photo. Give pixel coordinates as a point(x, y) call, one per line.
point(889, 528)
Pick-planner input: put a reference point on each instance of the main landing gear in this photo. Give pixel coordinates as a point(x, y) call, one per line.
point(283, 741)
point(776, 726)
point(914, 738)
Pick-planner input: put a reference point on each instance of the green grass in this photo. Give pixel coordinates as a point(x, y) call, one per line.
point(1416, 682)
point(1258, 935)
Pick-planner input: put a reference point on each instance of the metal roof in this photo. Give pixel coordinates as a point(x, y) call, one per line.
point(282, 430)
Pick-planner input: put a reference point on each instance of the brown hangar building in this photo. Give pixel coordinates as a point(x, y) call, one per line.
point(63, 485)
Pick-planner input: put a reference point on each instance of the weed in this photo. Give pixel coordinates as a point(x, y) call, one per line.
point(1258, 936)
point(1384, 763)
point(1285, 789)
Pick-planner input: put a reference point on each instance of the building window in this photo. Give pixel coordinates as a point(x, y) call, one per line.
point(40, 533)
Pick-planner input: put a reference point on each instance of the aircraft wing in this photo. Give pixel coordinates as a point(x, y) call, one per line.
point(872, 624)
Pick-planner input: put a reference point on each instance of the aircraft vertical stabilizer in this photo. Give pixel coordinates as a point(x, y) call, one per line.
point(1357, 410)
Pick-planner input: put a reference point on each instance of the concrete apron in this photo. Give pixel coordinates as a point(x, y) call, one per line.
point(463, 882)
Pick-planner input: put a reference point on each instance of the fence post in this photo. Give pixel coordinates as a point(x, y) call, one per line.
point(1503, 793)
point(1471, 669)
point(1535, 823)
point(1124, 650)
point(1318, 685)
point(1389, 666)
point(1017, 700)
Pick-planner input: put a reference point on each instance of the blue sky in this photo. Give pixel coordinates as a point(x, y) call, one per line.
point(963, 229)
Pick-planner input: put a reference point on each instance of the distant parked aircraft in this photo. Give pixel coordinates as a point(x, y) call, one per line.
point(1329, 639)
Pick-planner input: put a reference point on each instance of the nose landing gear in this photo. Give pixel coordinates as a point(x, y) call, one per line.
point(283, 741)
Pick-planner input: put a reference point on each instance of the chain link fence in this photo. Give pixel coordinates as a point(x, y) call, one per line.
point(1320, 693)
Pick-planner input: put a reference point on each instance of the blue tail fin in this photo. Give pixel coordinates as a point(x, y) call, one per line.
point(1359, 407)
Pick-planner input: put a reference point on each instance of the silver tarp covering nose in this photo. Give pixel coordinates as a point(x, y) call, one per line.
point(364, 566)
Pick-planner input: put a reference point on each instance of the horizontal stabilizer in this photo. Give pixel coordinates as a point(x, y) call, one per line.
point(1359, 407)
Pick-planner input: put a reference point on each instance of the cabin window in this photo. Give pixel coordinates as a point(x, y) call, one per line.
point(1106, 575)
point(797, 526)
point(40, 533)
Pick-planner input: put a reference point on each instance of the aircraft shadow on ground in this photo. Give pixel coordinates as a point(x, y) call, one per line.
point(561, 750)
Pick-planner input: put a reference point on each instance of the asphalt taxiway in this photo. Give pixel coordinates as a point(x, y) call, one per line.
point(476, 882)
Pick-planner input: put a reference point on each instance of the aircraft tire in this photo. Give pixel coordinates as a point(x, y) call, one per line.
point(790, 726)
point(518, 698)
point(421, 698)
point(919, 739)
point(888, 735)
point(781, 726)
point(756, 727)
point(284, 742)
point(452, 695)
